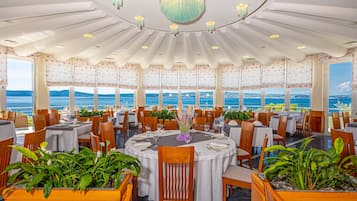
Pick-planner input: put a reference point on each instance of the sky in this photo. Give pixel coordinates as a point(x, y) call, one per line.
point(340, 82)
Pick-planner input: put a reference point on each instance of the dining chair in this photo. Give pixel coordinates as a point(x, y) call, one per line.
point(53, 118)
point(347, 138)
point(94, 142)
point(150, 122)
point(173, 161)
point(4, 115)
point(127, 186)
point(123, 128)
point(33, 141)
point(104, 117)
point(346, 118)
point(107, 135)
point(301, 126)
point(210, 118)
point(170, 125)
point(244, 151)
point(336, 120)
point(197, 113)
point(198, 123)
point(21, 121)
point(45, 113)
point(84, 139)
point(11, 116)
point(128, 193)
point(262, 117)
point(281, 133)
point(39, 121)
point(5, 156)
point(270, 193)
point(240, 176)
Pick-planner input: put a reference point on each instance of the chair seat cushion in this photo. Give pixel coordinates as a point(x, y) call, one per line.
point(238, 173)
point(276, 136)
point(242, 152)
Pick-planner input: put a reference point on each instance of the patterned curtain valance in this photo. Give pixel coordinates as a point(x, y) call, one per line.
point(169, 78)
point(59, 73)
point(3, 68)
point(251, 76)
point(128, 76)
point(188, 78)
point(107, 75)
point(299, 75)
point(273, 76)
point(230, 77)
point(151, 77)
point(206, 78)
point(84, 74)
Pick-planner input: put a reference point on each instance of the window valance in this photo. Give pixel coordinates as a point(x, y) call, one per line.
point(299, 75)
point(107, 75)
point(188, 78)
point(3, 71)
point(251, 76)
point(273, 76)
point(206, 77)
point(128, 76)
point(84, 74)
point(169, 78)
point(230, 77)
point(151, 77)
point(59, 73)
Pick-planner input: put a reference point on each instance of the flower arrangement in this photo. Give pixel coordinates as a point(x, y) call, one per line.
point(184, 123)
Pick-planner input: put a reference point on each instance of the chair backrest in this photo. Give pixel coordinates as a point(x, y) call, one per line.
point(270, 193)
point(95, 125)
point(170, 125)
point(175, 161)
point(140, 113)
point(4, 115)
point(125, 120)
point(39, 121)
point(128, 193)
point(21, 121)
point(104, 117)
point(125, 187)
point(53, 118)
point(262, 154)
point(210, 118)
point(336, 120)
point(94, 142)
point(283, 122)
point(33, 140)
point(107, 134)
point(150, 122)
point(11, 116)
point(198, 123)
point(346, 118)
point(4, 161)
point(262, 117)
point(197, 113)
point(306, 120)
point(246, 136)
point(45, 113)
point(347, 138)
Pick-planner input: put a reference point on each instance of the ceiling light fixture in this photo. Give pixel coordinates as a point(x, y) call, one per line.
point(144, 47)
point(274, 36)
point(117, 3)
point(300, 47)
point(88, 35)
point(59, 46)
point(174, 29)
point(210, 26)
point(242, 9)
point(139, 21)
point(214, 47)
point(182, 11)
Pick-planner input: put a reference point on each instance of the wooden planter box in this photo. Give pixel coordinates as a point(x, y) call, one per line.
point(258, 193)
point(63, 194)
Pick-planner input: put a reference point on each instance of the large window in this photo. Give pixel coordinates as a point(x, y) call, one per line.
point(151, 98)
point(59, 98)
point(251, 99)
point(127, 98)
point(206, 99)
point(19, 91)
point(275, 99)
point(83, 98)
point(169, 97)
point(106, 97)
point(231, 99)
point(188, 98)
point(300, 99)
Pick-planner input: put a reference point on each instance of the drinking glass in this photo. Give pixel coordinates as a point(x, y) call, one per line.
point(188, 139)
point(148, 131)
point(156, 139)
point(206, 127)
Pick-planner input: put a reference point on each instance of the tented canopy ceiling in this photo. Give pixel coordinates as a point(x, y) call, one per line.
point(57, 27)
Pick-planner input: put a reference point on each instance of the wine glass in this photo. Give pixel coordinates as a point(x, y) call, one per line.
point(156, 139)
point(206, 127)
point(148, 131)
point(188, 139)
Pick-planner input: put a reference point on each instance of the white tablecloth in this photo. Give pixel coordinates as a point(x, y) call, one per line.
point(7, 131)
point(132, 118)
point(290, 127)
point(66, 140)
point(258, 138)
point(208, 169)
point(353, 130)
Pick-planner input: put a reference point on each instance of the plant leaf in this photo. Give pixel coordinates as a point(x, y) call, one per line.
point(85, 181)
point(26, 152)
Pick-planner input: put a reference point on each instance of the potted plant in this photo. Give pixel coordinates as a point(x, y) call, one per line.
point(75, 176)
point(163, 115)
point(313, 174)
point(239, 116)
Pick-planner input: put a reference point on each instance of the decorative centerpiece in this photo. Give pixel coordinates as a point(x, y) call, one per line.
point(185, 124)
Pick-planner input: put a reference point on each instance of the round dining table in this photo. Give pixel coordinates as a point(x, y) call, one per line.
point(213, 154)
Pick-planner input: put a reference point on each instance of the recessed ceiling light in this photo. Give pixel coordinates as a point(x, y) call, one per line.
point(214, 47)
point(246, 57)
point(300, 47)
point(351, 42)
point(59, 46)
point(145, 47)
point(88, 35)
point(274, 36)
point(10, 41)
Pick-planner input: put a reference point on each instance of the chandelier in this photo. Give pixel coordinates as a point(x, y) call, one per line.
point(182, 11)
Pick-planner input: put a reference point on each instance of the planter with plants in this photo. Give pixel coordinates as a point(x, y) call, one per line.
point(85, 115)
point(162, 115)
point(70, 176)
point(238, 116)
point(309, 174)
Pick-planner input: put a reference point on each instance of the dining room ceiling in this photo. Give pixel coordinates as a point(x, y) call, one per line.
point(96, 30)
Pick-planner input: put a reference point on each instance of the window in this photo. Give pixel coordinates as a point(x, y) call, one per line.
point(83, 97)
point(300, 99)
point(275, 99)
point(59, 98)
point(231, 99)
point(151, 98)
point(106, 98)
point(206, 99)
point(188, 98)
point(251, 99)
point(127, 98)
point(19, 91)
point(170, 97)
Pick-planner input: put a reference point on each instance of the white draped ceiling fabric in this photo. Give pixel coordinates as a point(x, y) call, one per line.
point(3, 69)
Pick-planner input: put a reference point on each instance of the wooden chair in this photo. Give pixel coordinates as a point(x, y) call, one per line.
point(84, 139)
point(245, 145)
point(210, 118)
point(336, 120)
point(281, 133)
point(346, 118)
point(123, 128)
point(4, 115)
point(94, 142)
point(21, 121)
point(11, 116)
point(45, 113)
point(53, 119)
point(4, 161)
point(270, 193)
point(33, 141)
point(39, 121)
point(107, 135)
point(347, 138)
point(197, 113)
point(262, 117)
point(126, 186)
point(303, 128)
point(104, 117)
point(198, 123)
point(170, 125)
point(240, 176)
point(150, 122)
point(175, 161)
point(140, 113)
point(128, 193)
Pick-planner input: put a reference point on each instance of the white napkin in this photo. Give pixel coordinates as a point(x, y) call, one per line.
point(232, 123)
point(257, 123)
point(141, 144)
point(218, 145)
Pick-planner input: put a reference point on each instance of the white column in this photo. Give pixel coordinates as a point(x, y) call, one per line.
point(140, 93)
point(241, 100)
point(287, 98)
point(2, 98)
point(160, 99)
point(41, 96)
point(197, 99)
point(95, 96)
point(262, 98)
point(71, 99)
point(218, 95)
point(354, 85)
point(117, 98)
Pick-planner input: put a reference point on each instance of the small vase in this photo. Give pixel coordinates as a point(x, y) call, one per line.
point(183, 137)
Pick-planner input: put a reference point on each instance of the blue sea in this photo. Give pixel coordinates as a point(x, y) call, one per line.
point(24, 104)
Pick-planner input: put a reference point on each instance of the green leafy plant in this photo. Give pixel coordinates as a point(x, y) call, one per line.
point(78, 171)
point(309, 169)
point(163, 114)
point(237, 115)
point(86, 113)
